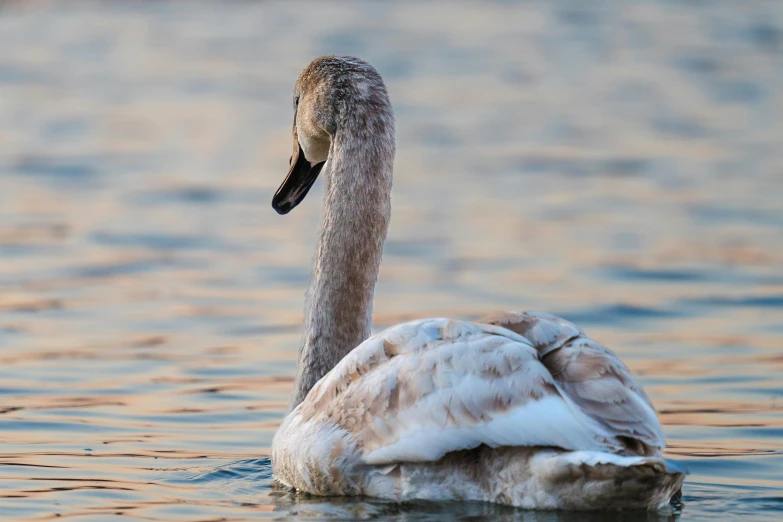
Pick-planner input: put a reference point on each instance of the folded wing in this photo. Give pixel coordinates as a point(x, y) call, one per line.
point(422, 389)
point(591, 376)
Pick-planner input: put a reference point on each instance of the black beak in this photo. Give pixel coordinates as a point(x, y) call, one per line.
point(297, 182)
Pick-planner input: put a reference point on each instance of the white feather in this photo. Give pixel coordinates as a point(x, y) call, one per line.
point(547, 422)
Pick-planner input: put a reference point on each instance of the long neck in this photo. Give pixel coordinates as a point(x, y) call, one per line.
point(338, 309)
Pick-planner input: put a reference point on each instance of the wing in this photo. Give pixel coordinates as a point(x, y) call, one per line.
point(422, 389)
point(591, 376)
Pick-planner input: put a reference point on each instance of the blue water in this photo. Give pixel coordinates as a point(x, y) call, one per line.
point(616, 163)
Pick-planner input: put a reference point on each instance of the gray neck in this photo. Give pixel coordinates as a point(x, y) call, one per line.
point(338, 309)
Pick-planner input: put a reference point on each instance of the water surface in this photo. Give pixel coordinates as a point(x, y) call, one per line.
point(620, 165)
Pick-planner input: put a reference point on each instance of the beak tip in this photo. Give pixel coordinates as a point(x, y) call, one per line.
point(282, 207)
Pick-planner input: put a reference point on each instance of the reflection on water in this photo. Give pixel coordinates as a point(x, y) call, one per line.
point(619, 165)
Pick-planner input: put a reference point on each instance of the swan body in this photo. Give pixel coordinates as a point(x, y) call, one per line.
point(456, 410)
point(514, 408)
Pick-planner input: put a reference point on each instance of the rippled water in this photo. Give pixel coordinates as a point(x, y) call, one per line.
point(619, 165)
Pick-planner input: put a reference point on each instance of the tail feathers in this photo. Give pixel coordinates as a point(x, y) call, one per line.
point(593, 480)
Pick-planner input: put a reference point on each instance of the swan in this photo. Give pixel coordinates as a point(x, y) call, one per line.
point(517, 408)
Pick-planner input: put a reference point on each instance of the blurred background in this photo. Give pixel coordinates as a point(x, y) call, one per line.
point(616, 163)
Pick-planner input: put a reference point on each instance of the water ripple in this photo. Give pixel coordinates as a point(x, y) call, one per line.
point(616, 163)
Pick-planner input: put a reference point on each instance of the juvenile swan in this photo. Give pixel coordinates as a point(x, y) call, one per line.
point(517, 408)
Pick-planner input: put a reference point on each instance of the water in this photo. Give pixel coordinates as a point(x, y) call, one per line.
point(619, 165)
